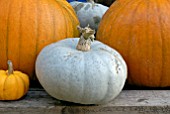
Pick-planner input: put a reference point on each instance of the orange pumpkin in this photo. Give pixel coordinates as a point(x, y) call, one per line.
point(26, 26)
point(13, 84)
point(140, 31)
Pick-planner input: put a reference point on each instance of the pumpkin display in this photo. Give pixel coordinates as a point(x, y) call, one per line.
point(13, 84)
point(26, 26)
point(89, 13)
point(81, 74)
point(139, 30)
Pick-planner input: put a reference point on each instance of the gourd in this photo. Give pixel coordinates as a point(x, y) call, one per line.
point(13, 84)
point(139, 30)
point(26, 26)
point(89, 13)
point(89, 73)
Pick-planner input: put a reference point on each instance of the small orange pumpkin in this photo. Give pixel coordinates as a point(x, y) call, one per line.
point(13, 84)
point(140, 31)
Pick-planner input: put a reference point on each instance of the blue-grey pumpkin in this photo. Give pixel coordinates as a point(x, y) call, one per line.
point(89, 13)
point(96, 76)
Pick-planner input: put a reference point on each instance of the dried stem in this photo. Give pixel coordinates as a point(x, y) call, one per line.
point(10, 67)
point(87, 36)
point(92, 2)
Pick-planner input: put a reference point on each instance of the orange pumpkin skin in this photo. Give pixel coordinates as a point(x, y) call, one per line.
point(140, 31)
point(26, 26)
point(13, 84)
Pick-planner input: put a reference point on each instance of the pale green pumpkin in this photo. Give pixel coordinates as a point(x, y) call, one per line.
point(86, 75)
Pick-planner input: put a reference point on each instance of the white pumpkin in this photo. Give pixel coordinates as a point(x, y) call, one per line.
point(88, 13)
point(93, 76)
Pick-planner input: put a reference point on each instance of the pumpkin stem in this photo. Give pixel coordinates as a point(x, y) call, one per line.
point(92, 2)
point(10, 67)
point(87, 36)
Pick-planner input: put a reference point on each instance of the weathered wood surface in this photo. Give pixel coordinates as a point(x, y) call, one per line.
point(128, 102)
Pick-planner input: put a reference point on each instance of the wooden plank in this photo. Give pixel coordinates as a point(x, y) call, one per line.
point(37, 101)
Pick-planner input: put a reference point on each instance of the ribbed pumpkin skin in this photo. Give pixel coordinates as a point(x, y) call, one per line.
point(14, 86)
point(140, 31)
point(26, 26)
point(96, 76)
point(87, 14)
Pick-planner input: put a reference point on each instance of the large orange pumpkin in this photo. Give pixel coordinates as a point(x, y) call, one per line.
point(26, 26)
point(140, 31)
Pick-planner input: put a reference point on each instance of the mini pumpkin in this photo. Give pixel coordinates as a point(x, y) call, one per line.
point(89, 13)
point(140, 31)
point(82, 74)
point(13, 84)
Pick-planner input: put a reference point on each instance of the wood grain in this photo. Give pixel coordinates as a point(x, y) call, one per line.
point(37, 101)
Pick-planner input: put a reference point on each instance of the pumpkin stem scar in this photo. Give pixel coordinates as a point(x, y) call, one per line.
point(87, 36)
point(10, 67)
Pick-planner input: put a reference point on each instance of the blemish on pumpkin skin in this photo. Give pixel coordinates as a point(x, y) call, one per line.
point(87, 7)
point(104, 50)
point(116, 61)
point(96, 19)
point(67, 56)
point(78, 7)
